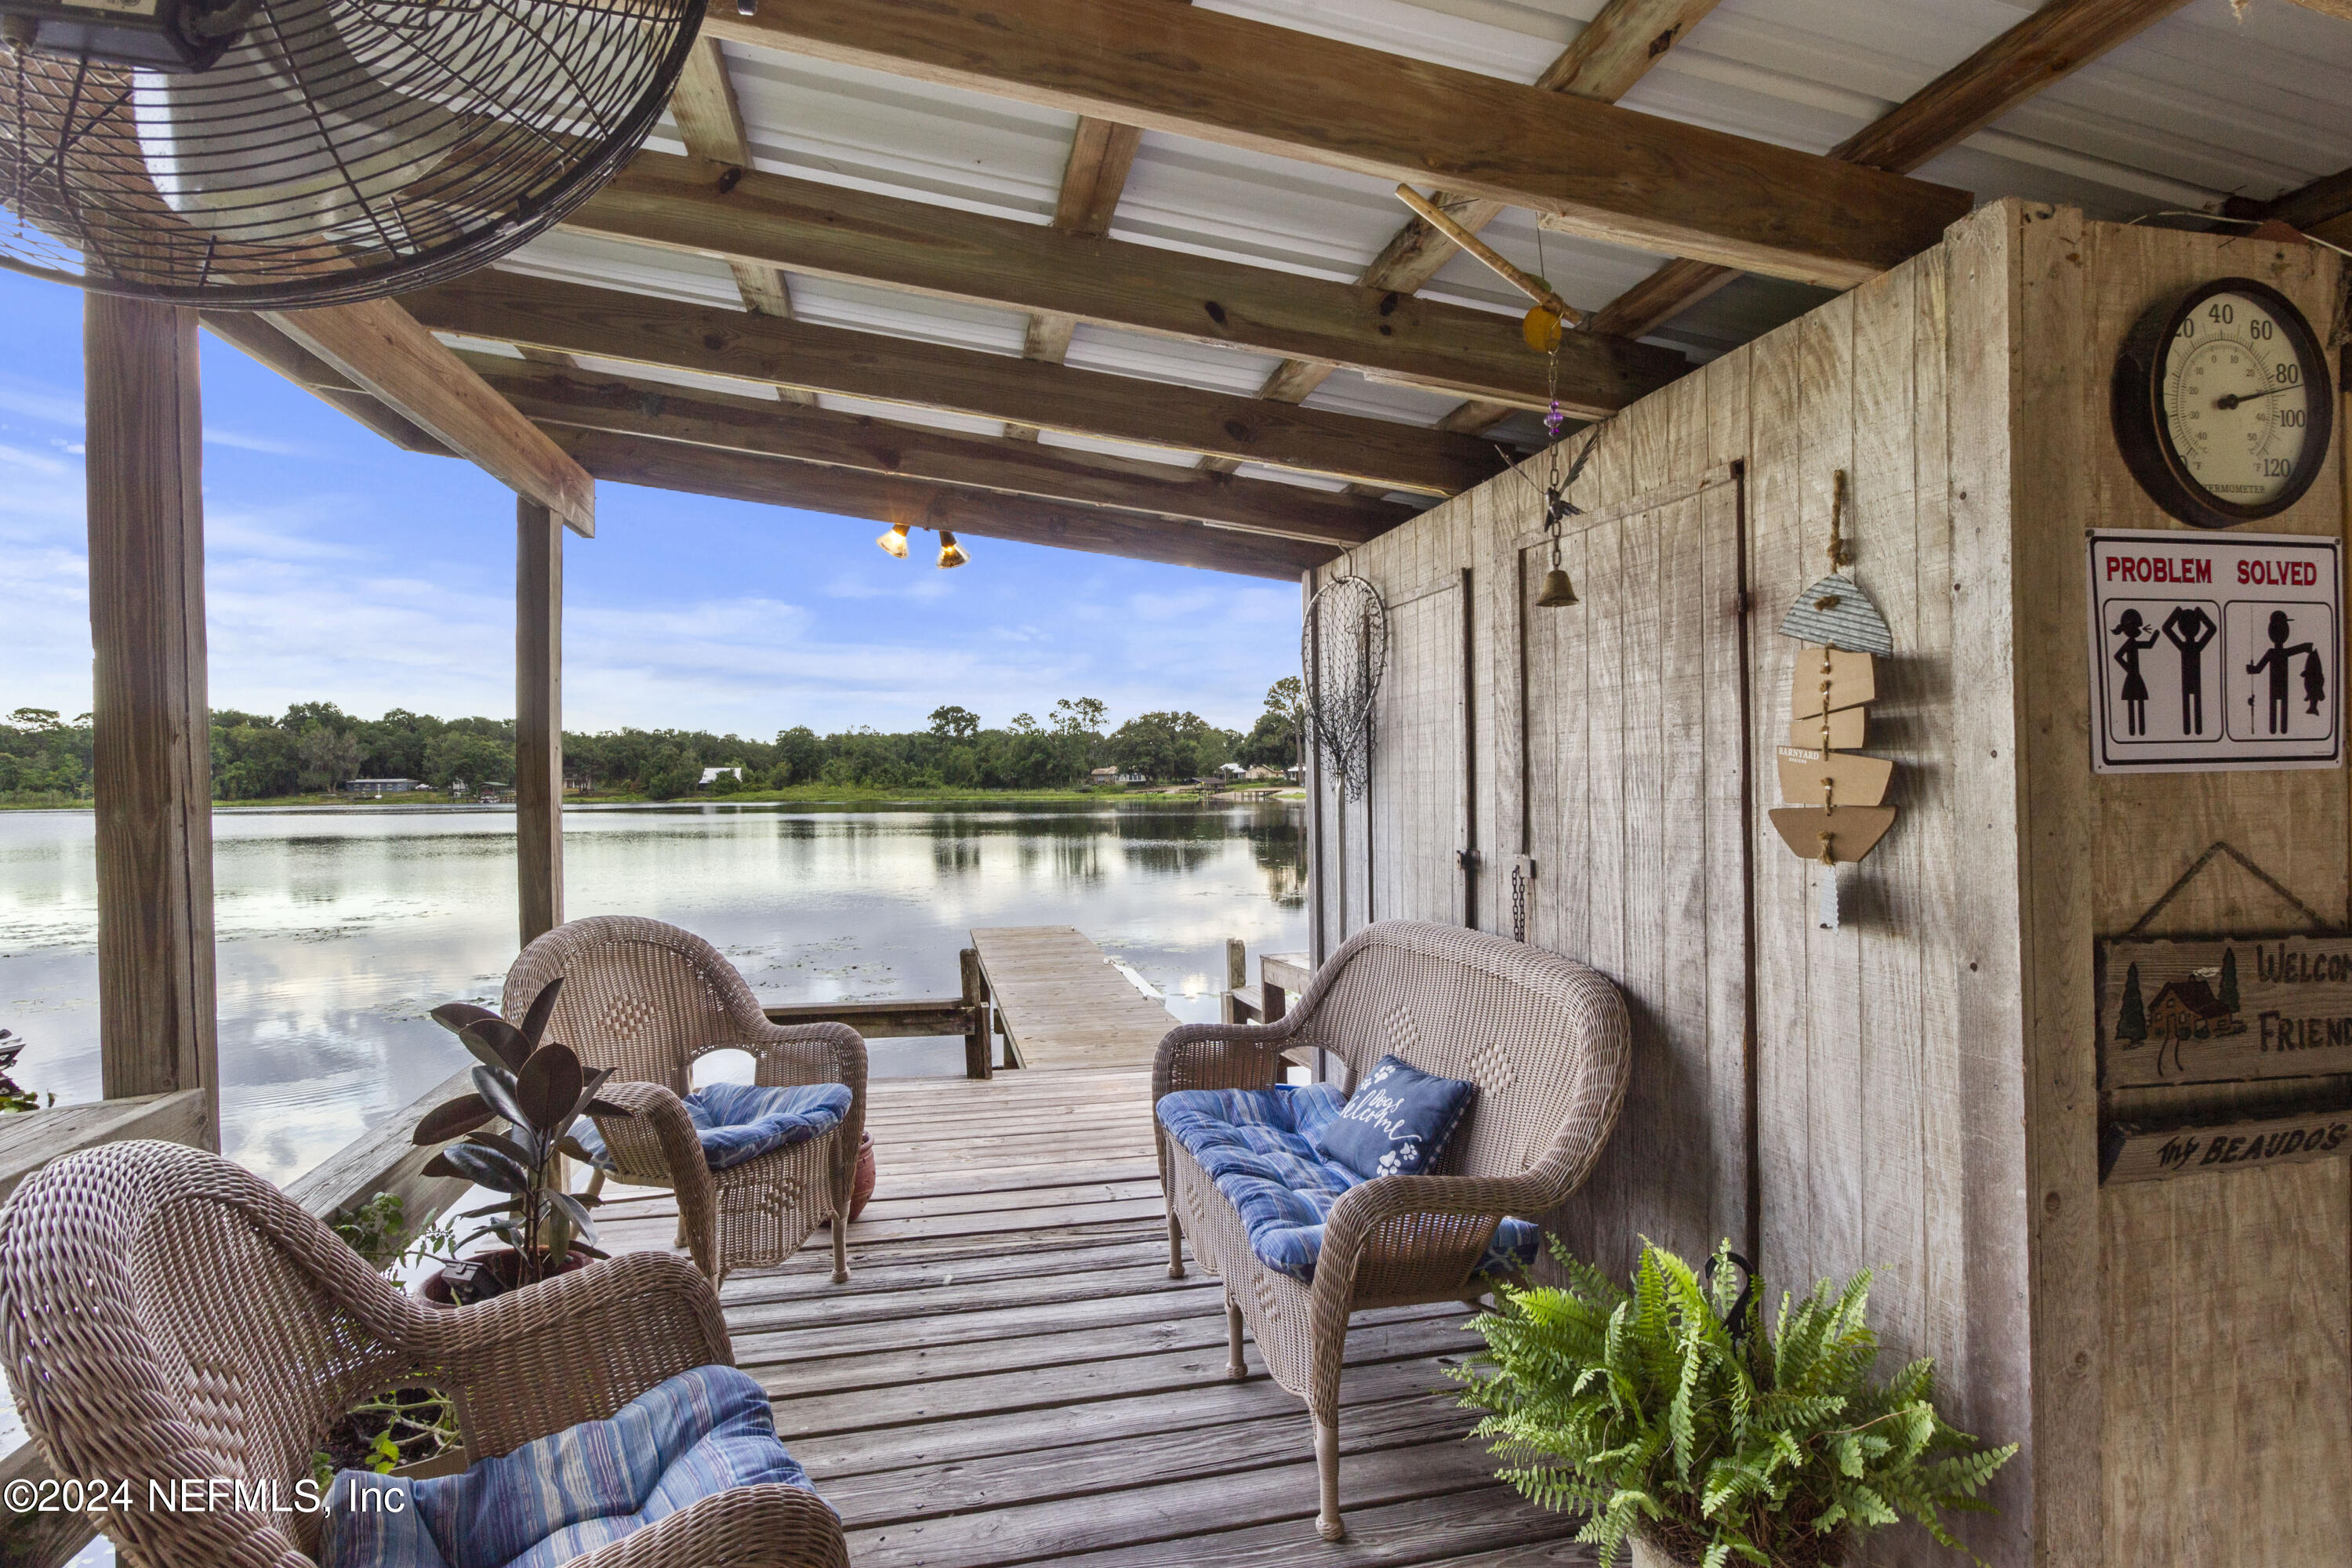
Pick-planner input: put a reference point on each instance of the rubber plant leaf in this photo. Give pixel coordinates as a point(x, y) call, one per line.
point(606, 1108)
point(498, 1090)
point(523, 1153)
point(598, 1252)
point(576, 1148)
point(542, 1007)
point(594, 1081)
point(574, 1210)
point(484, 1167)
point(459, 1017)
point(454, 1120)
point(503, 1039)
point(548, 1086)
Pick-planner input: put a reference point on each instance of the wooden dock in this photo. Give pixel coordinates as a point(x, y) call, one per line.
point(1010, 1377)
point(1061, 1003)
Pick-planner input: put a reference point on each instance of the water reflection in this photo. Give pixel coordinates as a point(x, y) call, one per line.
point(340, 929)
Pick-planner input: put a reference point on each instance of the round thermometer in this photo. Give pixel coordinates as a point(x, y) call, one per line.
point(2223, 404)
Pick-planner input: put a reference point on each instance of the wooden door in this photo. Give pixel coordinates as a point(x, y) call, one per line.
point(1622, 751)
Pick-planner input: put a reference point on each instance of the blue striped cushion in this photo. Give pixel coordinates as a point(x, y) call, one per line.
point(701, 1433)
point(739, 1122)
point(1254, 1145)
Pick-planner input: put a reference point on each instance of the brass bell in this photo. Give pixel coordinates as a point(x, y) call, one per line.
point(1558, 592)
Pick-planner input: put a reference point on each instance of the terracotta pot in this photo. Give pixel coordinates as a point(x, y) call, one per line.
point(1647, 1556)
point(861, 1185)
point(504, 1264)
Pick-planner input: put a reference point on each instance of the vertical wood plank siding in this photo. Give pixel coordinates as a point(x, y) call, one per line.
point(2173, 1356)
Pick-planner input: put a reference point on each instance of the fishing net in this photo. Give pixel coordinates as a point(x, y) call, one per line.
point(1342, 649)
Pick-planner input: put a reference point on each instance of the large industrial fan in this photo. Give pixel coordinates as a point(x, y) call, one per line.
point(266, 154)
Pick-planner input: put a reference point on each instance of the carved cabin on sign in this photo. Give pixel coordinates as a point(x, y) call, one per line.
point(1924, 1089)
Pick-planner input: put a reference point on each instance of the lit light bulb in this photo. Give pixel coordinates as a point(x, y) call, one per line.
point(950, 552)
point(895, 540)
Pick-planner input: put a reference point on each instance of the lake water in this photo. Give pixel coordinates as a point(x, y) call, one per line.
point(340, 928)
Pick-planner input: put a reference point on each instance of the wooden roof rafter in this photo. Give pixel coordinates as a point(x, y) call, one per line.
point(1614, 50)
point(2046, 48)
point(380, 349)
point(1628, 178)
point(555, 395)
point(2322, 209)
point(921, 503)
point(881, 368)
point(688, 205)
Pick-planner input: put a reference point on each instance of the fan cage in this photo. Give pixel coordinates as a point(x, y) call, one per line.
point(343, 150)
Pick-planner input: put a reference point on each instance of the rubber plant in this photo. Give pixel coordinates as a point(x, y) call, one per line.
point(1671, 1413)
point(539, 1088)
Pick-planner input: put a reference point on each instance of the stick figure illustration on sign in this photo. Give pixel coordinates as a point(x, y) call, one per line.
point(2189, 629)
point(2276, 659)
point(2128, 626)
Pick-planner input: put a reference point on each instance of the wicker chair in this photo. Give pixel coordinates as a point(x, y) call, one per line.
point(1548, 1042)
point(646, 999)
point(168, 1316)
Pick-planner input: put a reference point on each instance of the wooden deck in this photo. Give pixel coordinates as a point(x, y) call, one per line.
point(1062, 1004)
point(1011, 1377)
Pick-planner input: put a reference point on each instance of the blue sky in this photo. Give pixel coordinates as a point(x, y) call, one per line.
point(338, 567)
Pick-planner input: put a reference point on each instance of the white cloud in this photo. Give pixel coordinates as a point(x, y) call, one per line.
point(269, 444)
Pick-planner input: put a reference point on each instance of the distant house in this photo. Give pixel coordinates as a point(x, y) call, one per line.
point(712, 775)
point(2185, 1010)
point(1231, 770)
point(380, 786)
point(1103, 776)
point(1133, 778)
point(1262, 773)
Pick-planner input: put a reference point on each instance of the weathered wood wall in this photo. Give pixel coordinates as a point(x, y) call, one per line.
point(1922, 1080)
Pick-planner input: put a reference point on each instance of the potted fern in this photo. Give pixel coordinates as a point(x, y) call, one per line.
point(1681, 1423)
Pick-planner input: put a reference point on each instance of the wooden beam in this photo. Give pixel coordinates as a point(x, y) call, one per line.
point(2322, 207)
point(2047, 46)
point(151, 762)
point(538, 718)
point(265, 343)
point(830, 230)
point(710, 121)
point(1633, 179)
point(380, 347)
point(921, 503)
point(1615, 49)
point(871, 365)
point(557, 396)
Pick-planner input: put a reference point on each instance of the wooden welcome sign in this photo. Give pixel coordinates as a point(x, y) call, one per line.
point(2132, 1154)
point(2224, 1011)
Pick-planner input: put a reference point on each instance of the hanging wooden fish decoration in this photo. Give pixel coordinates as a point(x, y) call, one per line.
point(1834, 815)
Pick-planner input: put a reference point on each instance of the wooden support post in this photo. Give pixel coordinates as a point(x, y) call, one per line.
point(1230, 1008)
point(976, 1027)
point(151, 760)
point(538, 717)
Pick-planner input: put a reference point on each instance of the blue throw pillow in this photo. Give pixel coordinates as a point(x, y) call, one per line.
point(1396, 1123)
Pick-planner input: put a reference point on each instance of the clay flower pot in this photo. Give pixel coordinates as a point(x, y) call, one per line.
point(502, 1266)
point(861, 1185)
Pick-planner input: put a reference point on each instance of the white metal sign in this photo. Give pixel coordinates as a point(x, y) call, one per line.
point(2215, 651)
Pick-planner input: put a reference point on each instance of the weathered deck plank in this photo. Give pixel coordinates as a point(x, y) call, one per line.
point(1061, 1002)
point(1010, 1377)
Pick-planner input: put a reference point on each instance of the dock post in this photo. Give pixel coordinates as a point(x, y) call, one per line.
point(1229, 1005)
point(538, 718)
point(151, 752)
point(976, 1013)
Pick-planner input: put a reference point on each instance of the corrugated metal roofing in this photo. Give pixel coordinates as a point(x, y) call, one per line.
point(2213, 102)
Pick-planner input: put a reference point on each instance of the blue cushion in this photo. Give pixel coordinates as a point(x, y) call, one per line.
point(739, 1122)
point(1254, 1145)
point(1397, 1122)
point(701, 1433)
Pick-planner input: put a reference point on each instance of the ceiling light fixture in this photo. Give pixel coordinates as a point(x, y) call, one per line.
point(894, 541)
point(950, 552)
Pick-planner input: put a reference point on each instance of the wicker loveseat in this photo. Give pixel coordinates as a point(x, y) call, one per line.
point(1548, 1042)
point(646, 999)
point(169, 1316)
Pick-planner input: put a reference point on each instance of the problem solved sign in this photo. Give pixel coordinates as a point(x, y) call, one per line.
point(2215, 652)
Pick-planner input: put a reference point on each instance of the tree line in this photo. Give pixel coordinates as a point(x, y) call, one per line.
point(316, 747)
